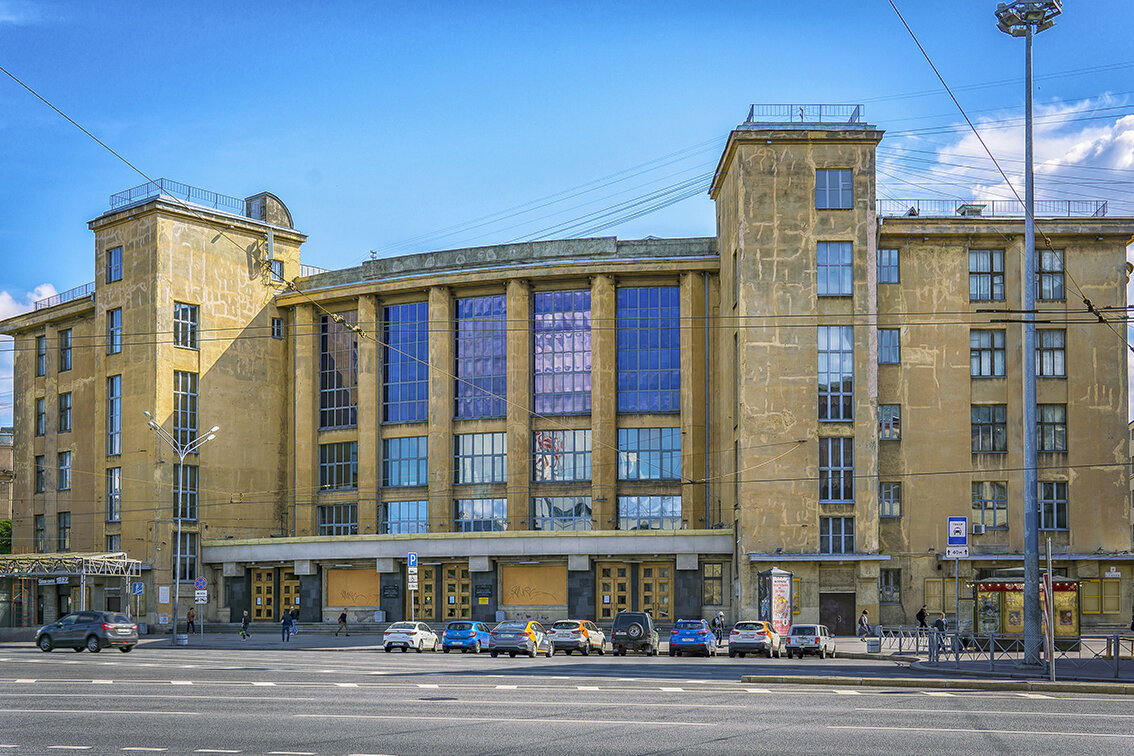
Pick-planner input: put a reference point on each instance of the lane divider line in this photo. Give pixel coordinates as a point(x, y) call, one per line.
point(969, 731)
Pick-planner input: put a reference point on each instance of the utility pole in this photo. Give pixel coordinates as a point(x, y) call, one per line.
point(1025, 19)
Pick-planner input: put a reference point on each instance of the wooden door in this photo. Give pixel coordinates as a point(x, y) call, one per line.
point(263, 596)
point(456, 589)
point(289, 591)
point(612, 594)
point(655, 590)
point(424, 598)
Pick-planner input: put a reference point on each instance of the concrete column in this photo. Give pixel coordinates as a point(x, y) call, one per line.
point(519, 407)
point(369, 378)
point(440, 409)
point(305, 482)
point(693, 417)
point(604, 403)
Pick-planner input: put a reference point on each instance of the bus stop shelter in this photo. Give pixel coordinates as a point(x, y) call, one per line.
point(24, 577)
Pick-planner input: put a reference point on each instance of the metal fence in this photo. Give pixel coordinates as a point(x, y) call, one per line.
point(170, 188)
point(805, 113)
point(67, 296)
point(947, 208)
point(310, 270)
point(904, 639)
point(1097, 655)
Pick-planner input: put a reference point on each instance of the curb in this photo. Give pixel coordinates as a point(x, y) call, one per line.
point(922, 666)
point(1036, 686)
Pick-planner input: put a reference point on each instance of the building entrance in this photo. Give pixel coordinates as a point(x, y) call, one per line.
point(836, 611)
point(423, 601)
point(456, 591)
point(289, 590)
point(638, 587)
point(655, 590)
point(263, 595)
point(612, 594)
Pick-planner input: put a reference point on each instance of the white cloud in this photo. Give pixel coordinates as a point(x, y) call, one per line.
point(18, 13)
point(11, 306)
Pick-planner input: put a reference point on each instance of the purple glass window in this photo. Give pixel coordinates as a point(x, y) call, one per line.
point(405, 363)
point(649, 349)
point(482, 357)
point(561, 331)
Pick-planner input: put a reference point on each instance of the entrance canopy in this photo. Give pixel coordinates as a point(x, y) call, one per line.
point(68, 563)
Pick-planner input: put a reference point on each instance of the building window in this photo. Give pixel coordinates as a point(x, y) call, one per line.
point(405, 461)
point(561, 455)
point(338, 466)
point(889, 586)
point(187, 569)
point(480, 515)
point(480, 458)
point(482, 357)
point(65, 412)
point(338, 519)
point(649, 349)
point(836, 469)
point(64, 350)
point(1051, 427)
point(185, 325)
point(64, 521)
point(1051, 356)
point(114, 331)
point(888, 271)
point(185, 492)
point(338, 370)
point(836, 535)
point(114, 415)
point(113, 494)
point(64, 480)
point(184, 407)
point(989, 428)
point(986, 275)
point(113, 543)
point(1049, 277)
point(712, 584)
point(1053, 506)
point(276, 268)
point(649, 512)
point(836, 372)
point(890, 499)
point(277, 328)
point(40, 416)
point(40, 534)
point(114, 264)
point(986, 354)
point(40, 473)
point(833, 189)
point(40, 355)
point(649, 453)
point(561, 513)
point(561, 337)
point(835, 269)
point(990, 503)
point(400, 517)
point(405, 363)
point(889, 346)
point(890, 422)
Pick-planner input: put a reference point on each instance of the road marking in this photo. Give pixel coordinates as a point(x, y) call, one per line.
point(379, 672)
point(25, 680)
point(291, 753)
point(591, 721)
point(1032, 695)
point(180, 682)
point(587, 687)
point(507, 687)
point(701, 682)
point(264, 684)
point(184, 666)
point(941, 693)
point(142, 748)
point(102, 682)
point(214, 750)
point(969, 712)
point(427, 685)
point(328, 671)
point(673, 690)
point(758, 690)
point(134, 712)
point(847, 692)
point(69, 748)
point(346, 685)
point(969, 731)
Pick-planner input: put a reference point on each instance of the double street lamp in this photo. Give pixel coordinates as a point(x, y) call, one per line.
point(182, 451)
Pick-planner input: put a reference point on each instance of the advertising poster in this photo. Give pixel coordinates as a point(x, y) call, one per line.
point(781, 603)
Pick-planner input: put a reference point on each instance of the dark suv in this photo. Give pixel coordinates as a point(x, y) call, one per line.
point(93, 631)
point(634, 631)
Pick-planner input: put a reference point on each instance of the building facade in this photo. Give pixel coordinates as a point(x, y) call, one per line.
point(583, 426)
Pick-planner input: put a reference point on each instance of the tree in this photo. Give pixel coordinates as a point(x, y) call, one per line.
point(5, 536)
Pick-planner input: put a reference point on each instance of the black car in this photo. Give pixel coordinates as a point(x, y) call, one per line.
point(634, 631)
point(93, 631)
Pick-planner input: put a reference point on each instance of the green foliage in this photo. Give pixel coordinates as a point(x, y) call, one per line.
point(5, 536)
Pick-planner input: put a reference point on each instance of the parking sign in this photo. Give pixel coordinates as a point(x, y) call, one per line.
point(412, 559)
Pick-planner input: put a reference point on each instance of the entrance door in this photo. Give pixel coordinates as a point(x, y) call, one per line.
point(836, 611)
point(424, 603)
point(456, 589)
point(655, 589)
point(613, 590)
point(289, 591)
point(263, 595)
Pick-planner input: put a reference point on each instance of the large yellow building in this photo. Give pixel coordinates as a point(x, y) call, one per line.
point(581, 426)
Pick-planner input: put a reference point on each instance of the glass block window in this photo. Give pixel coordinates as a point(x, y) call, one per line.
point(561, 455)
point(989, 428)
point(40, 473)
point(986, 275)
point(649, 453)
point(64, 350)
point(405, 363)
point(338, 370)
point(1051, 353)
point(114, 331)
point(405, 461)
point(65, 412)
point(187, 568)
point(1049, 277)
point(40, 416)
point(1053, 505)
point(480, 458)
point(63, 521)
point(1051, 427)
point(40, 355)
point(889, 346)
point(480, 515)
point(890, 499)
point(888, 271)
point(836, 535)
point(990, 503)
point(833, 189)
point(836, 469)
point(890, 586)
point(649, 349)
point(184, 407)
point(185, 492)
point(113, 494)
point(482, 357)
point(338, 466)
point(400, 517)
point(113, 415)
point(649, 512)
point(113, 543)
point(185, 325)
point(561, 513)
point(40, 534)
point(986, 354)
point(64, 482)
point(835, 269)
point(561, 338)
point(114, 264)
point(338, 519)
point(890, 422)
point(836, 372)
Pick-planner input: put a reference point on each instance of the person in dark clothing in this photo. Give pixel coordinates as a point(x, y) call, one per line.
point(718, 627)
point(922, 616)
point(939, 623)
point(294, 614)
point(285, 627)
point(190, 623)
point(244, 634)
point(342, 624)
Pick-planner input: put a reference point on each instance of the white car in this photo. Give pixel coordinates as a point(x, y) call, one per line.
point(810, 639)
point(407, 635)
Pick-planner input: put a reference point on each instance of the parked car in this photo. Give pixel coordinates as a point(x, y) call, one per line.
point(692, 635)
point(810, 639)
point(634, 631)
point(93, 631)
point(520, 637)
point(754, 636)
point(465, 635)
point(583, 636)
point(406, 635)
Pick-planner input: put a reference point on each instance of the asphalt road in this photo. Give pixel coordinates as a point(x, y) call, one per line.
point(267, 701)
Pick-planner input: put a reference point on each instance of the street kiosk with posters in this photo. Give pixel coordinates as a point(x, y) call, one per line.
point(999, 609)
point(774, 589)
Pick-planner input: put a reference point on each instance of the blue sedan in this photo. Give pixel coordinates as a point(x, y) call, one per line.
point(465, 635)
point(692, 635)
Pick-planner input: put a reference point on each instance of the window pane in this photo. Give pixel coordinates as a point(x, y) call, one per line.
point(649, 349)
point(481, 355)
point(338, 370)
point(405, 363)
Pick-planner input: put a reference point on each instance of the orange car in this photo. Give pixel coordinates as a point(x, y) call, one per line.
point(583, 636)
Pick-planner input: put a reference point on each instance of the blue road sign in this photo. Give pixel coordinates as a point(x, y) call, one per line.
point(958, 531)
point(412, 561)
point(200, 583)
point(136, 589)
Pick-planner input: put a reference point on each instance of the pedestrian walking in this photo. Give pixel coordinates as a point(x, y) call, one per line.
point(295, 620)
point(244, 634)
point(718, 627)
point(342, 624)
point(939, 623)
point(190, 625)
point(285, 627)
point(863, 625)
point(922, 616)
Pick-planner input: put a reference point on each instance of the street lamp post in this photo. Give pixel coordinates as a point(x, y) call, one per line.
point(1024, 19)
point(182, 451)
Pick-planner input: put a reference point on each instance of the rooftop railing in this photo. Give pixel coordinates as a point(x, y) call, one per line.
point(176, 189)
point(310, 270)
point(944, 208)
point(67, 296)
point(805, 113)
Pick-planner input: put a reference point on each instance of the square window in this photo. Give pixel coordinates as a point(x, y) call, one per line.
point(986, 275)
point(986, 354)
point(989, 428)
point(834, 269)
point(834, 189)
point(889, 346)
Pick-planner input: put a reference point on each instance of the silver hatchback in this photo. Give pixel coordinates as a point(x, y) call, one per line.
point(93, 631)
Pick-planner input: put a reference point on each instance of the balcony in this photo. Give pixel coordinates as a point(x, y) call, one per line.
point(805, 116)
point(168, 188)
point(947, 208)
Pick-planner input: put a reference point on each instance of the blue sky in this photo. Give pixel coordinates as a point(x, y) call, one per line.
point(382, 124)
